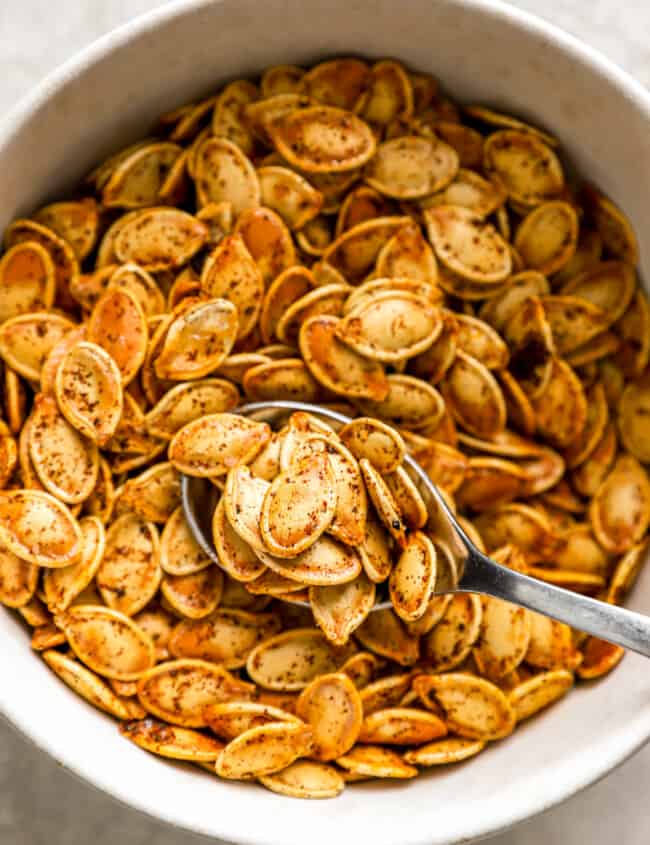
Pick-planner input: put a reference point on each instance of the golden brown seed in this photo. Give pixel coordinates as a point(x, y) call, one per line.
point(27, 340)
point(27, 280)
point(573, 321)
point(129, 574)
point(171, 741)
point(547, 238)
point(284, 379)
point(609, 285)
point(305, 779)
point(401, 726)
point(154, 494)
point(227, 636)
point(467, 245)
point(373, 761)
point(337, 367)
point(389, 93)
point(339, 82)
point(620, 510)
point(263, 750)
point(632, 418)
point(331, 705)
point(39, 528)
point(193, 596)
point(88, 388)
point(289, 195)
point(190, 401)
point(118, 324)
point(411, 167)
point(159, 238)
point(410, 402)
point(178, 691)
point(407, 257)
point(385, 634)
point(481, 342)
point(473, 707)
point(551, 645)
point(230, 272)
point(474, 397)
point(88, 685)
point(289, 286)
point(222, 172)
point(76, 223)
point(325, 563)
point(325, 300)
point(444, 751)
point(391, 327)
point(230, 719)
point(383, 501)
point(561, 407)
point(180, 554)
point(66, 265)
point(235, 555)
point(268, 240)
point(107, 641)
point(504, 638)
point(299, 506)
point(214, 444)
point(356, 250)
point(339, 610)
point(413, 577)
point(386, 692)
point(529, 169)
point(291, 660)
point(62, 586)
point(452, 639)
point(540, 691)
point(379, 443)
point(599, 658)
point(18, 579)
point(323, 139)
point(136, 182)
point(198, 340)
point(67, 464)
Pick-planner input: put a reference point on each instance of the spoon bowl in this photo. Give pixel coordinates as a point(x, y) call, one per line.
point(475, 571)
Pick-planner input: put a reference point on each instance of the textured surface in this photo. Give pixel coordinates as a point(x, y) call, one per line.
point(40, 803)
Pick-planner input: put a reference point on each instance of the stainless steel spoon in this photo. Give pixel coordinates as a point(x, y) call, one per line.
point(476, 572)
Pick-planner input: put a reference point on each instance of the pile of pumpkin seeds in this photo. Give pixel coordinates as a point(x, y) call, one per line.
point(346, 236)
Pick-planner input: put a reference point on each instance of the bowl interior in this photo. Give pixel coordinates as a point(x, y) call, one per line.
point(481, 51)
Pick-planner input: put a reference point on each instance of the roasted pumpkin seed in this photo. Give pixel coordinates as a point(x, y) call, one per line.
point(619, 513)
point(474, 708)
point(290, 661)
point(411, 167)
point(214, 444)
point(323, 139)
point(335, 366)
point(130, 574)
point(39, 528)
point(107, 641)
point(373, 761)
point(89, 686)
point(467, 245)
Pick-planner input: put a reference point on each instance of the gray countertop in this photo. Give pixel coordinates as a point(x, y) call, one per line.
point(39, 802)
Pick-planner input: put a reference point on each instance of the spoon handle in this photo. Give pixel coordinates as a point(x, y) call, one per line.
point(606, 621)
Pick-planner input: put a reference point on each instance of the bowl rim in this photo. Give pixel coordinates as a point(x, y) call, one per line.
point(626, 742)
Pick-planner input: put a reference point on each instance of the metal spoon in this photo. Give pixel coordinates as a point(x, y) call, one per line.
point(476, 572)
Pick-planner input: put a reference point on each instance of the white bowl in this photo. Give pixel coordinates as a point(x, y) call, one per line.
point(482, 51)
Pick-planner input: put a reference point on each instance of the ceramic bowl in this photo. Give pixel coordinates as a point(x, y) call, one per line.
point(483, 51)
